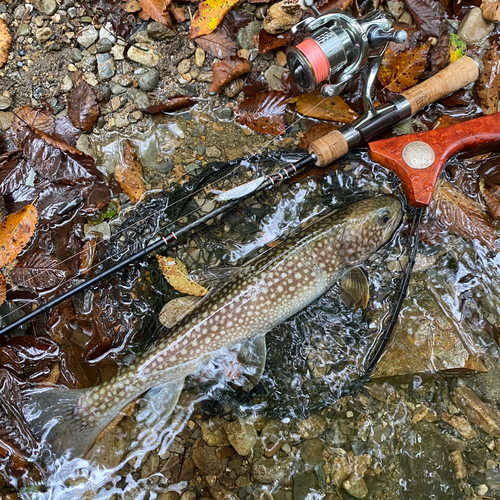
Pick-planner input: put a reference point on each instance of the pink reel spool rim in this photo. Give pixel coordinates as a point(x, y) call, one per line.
point(317, 59)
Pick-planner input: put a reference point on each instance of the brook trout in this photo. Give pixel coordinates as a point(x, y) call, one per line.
point(269, 290)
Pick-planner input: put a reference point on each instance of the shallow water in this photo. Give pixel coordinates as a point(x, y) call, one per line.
point(307, 440)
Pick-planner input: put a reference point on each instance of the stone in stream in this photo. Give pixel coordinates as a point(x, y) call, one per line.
point(213, 433)
point(146, 57)
point(242, 436)
point(87, 36)
point(206, 459)
point(148, 80)
point(426, 340)
point(474, 27)
point(269, 470)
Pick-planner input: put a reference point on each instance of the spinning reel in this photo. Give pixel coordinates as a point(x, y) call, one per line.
point(337, 46)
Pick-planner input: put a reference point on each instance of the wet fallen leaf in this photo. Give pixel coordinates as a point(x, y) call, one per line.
point(175, 273)
point(445, 121)
point(210, 14)
point(325, 6)
point(157, 10)
point(491, 198)
point(218, 44)
point(491, 10)
point(324, 108)
point(461, 215)
point(488, 85)
point(428, 15)
point(15, 232)
point(5, 41)
point(129, 174)
point(28, 119)
point(448, 49)
point(171, 104)
point(289, 85)
point(39, 271)
point(3, 289)
point(65, 131)
point(132, 6)
point(83, 110)
point(87, 256)
point(227, 70)
point(399, 72)
point(264, 112)
point(255, 82)
point(269, 42)
point(315, 132)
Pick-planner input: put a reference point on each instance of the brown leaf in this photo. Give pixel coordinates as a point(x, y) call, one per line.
point(3, 289)
point(227, 70)
point(255, 81)
point(488, 85)
point(491, 10)
point(461, 215)
point(428, 15)
point(175, 273)
point(445, 121)
point(87, 256)
point(179, 14)
point(5, 41)
point(399, 72)
point(315, 132)
point(324, 108)
point(218, 44)
point(491, 198)
point(264, 112)
point(172, 104)
point(269, 42)
point(132, 6)
point(15, 232)
point(129, 174)
point(210, 14)
point(31, 119)
point(157, 10)
point(39, 271)
point(448, 49)
point(325, 6)
point(83, 110)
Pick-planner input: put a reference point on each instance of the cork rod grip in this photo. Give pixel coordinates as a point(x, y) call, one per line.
point(450, 79)
point(329, 148)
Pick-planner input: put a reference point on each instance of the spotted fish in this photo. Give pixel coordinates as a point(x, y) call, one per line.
point(269, 290)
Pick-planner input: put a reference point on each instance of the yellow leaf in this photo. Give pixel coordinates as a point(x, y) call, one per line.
point(3, 289)
point(324, 108)
point(5, 41)
point(176, 274)
point(129, 174)
point(15, 232)
point(210, 14)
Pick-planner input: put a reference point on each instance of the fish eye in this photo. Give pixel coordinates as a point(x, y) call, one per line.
point(384, 217)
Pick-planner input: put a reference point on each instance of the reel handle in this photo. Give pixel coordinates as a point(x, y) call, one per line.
point(457, 75)
point(417, 159)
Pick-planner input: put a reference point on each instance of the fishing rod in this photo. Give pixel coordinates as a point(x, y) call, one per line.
point(336, 47)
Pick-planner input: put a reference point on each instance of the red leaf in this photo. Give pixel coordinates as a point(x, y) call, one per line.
point(218, 44)
point(226, 71)
point(428, 15)
point(171, 104)
point(264, 112)
point(83, 110)
point(255, 82)
point(269, 42)
point(157, 9)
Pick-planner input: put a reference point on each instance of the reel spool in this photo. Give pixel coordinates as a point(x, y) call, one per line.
point(337, 46)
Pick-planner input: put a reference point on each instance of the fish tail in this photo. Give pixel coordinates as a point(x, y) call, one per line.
point(58, 417)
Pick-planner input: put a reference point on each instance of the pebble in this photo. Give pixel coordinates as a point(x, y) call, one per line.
point(240, 434)
point(117, 89)
point(199, 57)
point(76, 55)
point(281, 58)
point(184, 66)
point(87, 36)
point(148, 80)
point(261, 11)
point(24, 30)
point(224, 113)
point(67, 84)
point(49, 7)
point(91, 79)
point(6, 119)
point(273, 76)
point(158, 31)
point(474, 27)
point(115, 103)
point(213, 152)
point(123, 80)
point(395, 8)
point(19, 11)
point(234, 87)
point(72, 12)
point(150, 466)
point(104, 45)
point(482, 489)
point(269, 470)
point(140, 98)
point(356, 486)
point(166, 166)
point(107, 33)
point(192, 169)
point(5, 102)
point(206, 459)
point(146, 58)
point(311, 451)
point(118, 52)
point(245, 35)
point(43, 34)
point(189, 495)
point(105, 66)
point(169, 495)
point(311, 427)
point(244, 54)
point(406, 18)
point(213, 433)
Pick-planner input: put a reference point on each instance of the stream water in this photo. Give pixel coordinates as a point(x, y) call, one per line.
point(296, 435)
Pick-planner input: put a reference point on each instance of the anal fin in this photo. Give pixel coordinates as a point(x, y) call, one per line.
point(252, 356)
point(355, 289)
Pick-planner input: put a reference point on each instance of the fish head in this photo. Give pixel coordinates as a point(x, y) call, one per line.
point(368, 224)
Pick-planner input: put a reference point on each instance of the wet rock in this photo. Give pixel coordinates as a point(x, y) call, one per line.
point(87, 36)
point(6, 119)
point(341, 466)
point(25, 30)
point(168, 495)
point(188, 470)
point(234, 87)
point(213, 433)
point(242, 436)
point(148, 80)
point(484, 415)
point(199, 57)
point(311, 427)
point(19, 12)
point(146, 57)
point(158, 31)
point(49, 7)
point(117, 89)
point(311, 451)
point(140, 98)
point(245, 36)
point(118, 52)
point(104, 45)
point(107, 33)
point(150, 465)
point(172, 468)
point(426, 340)
point(224, 113)
point(474, 27)
point(206, 459)
point(5, 102)
point(184, 66)
point(213, 152)
point(273, 77)
point(395, 8)
point(218, 492)
point(279, 21)
point(43, 34)
point(305, 484)
point(166, 166)
point(269, 470)
point(189, 495)
point(461, 425)
point(356, 486)
point(458, 464)
point(105, 66)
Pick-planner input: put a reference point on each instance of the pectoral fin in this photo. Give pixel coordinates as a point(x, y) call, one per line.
point(252, 356)
point(176, 309)
point(160, 402)
point(355, 289)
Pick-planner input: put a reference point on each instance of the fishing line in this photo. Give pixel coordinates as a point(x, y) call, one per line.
point(259, 152)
